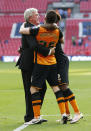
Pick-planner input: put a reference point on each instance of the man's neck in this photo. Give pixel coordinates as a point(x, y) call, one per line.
point(33, 23)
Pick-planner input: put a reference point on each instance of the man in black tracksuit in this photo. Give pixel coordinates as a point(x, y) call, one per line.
point(25, 63)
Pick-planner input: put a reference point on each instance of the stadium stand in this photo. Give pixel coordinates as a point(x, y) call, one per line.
point(18, 6)
point(11, 17)
point(85, 6)
point(73, 29)
point(9, 45)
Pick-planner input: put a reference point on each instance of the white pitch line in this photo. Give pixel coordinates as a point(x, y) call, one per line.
point(24, 126)
point(21, 127)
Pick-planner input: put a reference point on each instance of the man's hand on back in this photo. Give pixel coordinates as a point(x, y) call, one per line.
point(52, 51)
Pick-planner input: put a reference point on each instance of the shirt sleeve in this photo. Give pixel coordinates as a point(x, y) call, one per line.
point(34, 30)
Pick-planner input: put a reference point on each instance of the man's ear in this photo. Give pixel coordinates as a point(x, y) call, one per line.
point(30, 18)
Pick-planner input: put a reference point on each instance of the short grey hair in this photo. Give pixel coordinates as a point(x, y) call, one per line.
point(29, 12)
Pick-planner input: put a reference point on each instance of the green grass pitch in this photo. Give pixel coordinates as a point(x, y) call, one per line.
point(12, 103)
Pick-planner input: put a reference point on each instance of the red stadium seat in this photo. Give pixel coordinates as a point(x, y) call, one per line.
point(72, 29)
point(18, 6)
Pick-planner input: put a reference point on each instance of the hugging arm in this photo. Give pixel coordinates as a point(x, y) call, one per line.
point(24, 30)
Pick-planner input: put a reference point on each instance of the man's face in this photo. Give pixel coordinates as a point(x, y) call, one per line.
point(34, 19)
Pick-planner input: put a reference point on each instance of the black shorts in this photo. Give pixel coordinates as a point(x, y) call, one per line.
point(62, 70)
point(42, 73)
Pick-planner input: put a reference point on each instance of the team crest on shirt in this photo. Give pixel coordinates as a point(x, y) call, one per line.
point(59, 77)
point(31, 78)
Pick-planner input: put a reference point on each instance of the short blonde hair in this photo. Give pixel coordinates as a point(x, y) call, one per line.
point(29, 12)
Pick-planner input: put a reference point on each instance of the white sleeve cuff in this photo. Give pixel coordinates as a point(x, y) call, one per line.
point(49, 52)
